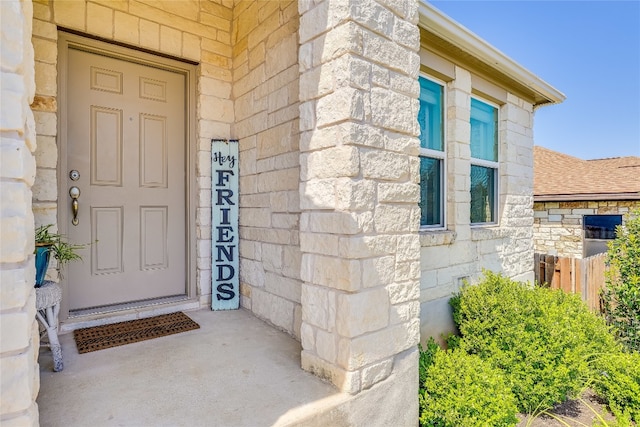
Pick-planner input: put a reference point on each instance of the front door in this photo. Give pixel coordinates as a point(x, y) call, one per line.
point(126, 139)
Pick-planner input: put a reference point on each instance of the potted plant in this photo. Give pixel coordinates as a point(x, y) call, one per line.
point(49, 243)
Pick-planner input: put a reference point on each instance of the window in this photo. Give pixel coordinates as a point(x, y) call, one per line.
point(484, 162)
point(432, 153)
point(598, 230)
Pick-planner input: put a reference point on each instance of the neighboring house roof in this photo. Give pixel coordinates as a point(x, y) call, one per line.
point(473, 51)
point(559, 176)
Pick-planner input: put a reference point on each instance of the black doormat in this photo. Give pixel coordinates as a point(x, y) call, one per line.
point(116, 334)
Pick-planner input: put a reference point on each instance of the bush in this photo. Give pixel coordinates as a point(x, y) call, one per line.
point(617, 380)
point(621, 297)
point(542, 339)
point(462, 390)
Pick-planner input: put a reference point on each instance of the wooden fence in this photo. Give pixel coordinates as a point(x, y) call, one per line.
point(581, 276)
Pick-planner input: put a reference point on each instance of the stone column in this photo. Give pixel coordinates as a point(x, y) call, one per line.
point(19, 376)
point(359, 190)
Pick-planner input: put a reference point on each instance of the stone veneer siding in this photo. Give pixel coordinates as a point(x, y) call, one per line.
point(358, 194)
point(265, 94)
point(557, 226)
point(460, 253)
point(19, 375)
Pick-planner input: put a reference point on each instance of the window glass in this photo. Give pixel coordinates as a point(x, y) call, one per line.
point(601, 226)
point(430, 115)
point(430, 191)
point(483, 195)
point(484, 131)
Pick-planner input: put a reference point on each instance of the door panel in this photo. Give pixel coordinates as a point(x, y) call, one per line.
point(126, 135)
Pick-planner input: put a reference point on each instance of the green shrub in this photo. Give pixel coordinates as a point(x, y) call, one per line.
point(621, 297)
point(463, 390)
point(426, 360)
point(542, 339)
point(617, 380)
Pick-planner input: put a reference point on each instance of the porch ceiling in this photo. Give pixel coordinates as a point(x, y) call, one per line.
point(233, 371)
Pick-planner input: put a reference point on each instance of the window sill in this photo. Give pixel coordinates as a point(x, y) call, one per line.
point(487, 232)
point(436, 237)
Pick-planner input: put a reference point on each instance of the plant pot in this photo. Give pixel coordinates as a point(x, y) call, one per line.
point(43, 254)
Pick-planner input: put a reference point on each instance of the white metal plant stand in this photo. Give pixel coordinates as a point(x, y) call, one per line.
point(48, 297)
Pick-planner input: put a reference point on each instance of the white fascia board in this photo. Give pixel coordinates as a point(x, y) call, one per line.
point(436, 22)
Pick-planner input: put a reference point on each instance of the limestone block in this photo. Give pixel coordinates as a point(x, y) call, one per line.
point(16, 161)
point(398, 192)
point(326, 244)
point(401, 143)
point(12, 33)
point(314, 21)
point(406, 33)
point(403, 292)
point(330, 222)
point(17, 288)
point(393, 218)
point(349, 70)
point(335, 273)
point(45, 50)
point(282, 56)
point(405, 312)
point(378, 271)
point(283, 287)
point(126, 27)
point(375, 373)
point(46, 123)
point(276, 140)
point(394, 111)
point(16, 381)
point(44, 28)
point(333, 162)
point(345, 381)
point(318, 306)
point(12, 117)
point(16, 326)
point(326, 346)
point(344, 104)
point(307, 337)
point(255, 217)
point(291, 259)
point(279, 180)
point(355, 195)
point(378, 164)
point(356, 247)
point(171, 41)
point(209, 86)
point(276, 310)
point(281, 220)
point(362, 312)
point(100, 20)
point(408, 247)
point(345, 38)
point(252, 272)
point(149, 34)
point(28, 418)
point(318, 194)
point(377, 346)
point(272, 257)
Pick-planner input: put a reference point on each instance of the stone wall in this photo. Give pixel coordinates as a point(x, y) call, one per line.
point(265, 92)
point(19, 376)
point(197, 30)
point(460, 252)
point(359, 170)
point(557, 226)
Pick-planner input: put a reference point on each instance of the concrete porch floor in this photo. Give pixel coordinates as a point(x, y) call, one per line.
point(233, 371)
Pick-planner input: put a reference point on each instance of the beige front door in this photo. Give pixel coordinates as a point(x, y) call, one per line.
point(126, 138)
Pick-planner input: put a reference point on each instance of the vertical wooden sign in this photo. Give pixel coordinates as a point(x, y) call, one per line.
point(225, 293)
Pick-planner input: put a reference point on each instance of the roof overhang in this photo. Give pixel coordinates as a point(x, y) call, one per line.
point(452, 33)
point(594, 197)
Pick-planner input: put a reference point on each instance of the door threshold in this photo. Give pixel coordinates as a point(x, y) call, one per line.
point(98, 316)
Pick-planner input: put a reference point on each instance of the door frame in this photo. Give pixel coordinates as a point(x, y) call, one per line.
point(68, 41)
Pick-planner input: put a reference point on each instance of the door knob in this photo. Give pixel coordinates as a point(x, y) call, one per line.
point(74, 192)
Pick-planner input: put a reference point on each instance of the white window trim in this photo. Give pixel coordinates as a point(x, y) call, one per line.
point(492, 165)
point(441, 155)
